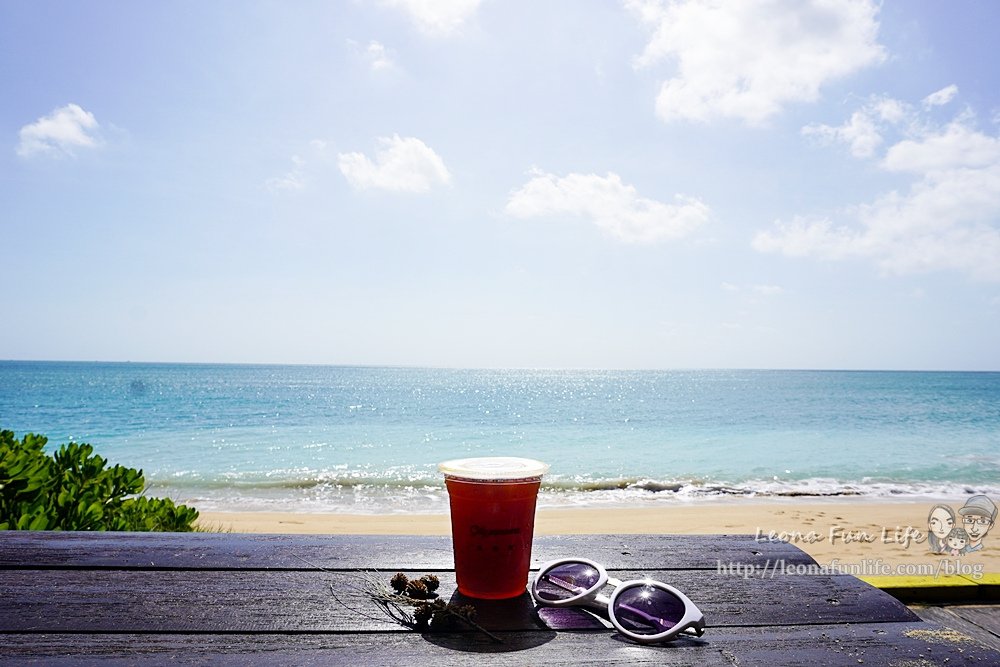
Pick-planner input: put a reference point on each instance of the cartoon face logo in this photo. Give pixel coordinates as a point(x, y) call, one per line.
point(940, 522)
point(957, 541)
point(961, 533)
point(978, 515)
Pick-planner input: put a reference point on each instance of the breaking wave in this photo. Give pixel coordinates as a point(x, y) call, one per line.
point(389, 494)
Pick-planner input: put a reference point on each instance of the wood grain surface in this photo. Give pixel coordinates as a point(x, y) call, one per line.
point(118, 598)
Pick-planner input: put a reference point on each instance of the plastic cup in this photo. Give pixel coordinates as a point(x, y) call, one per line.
point(492, 522)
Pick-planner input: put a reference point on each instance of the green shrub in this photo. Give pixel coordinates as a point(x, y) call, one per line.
point(73, 490)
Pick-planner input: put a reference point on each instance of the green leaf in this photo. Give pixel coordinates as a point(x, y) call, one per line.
point(73, 489)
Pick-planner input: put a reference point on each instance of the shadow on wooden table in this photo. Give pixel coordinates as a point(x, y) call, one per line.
point(506, 618)
point(577, 619)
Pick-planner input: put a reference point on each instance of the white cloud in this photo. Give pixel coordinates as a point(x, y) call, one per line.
point(863, 131)
point(747, 59)
point(608, 203)
point(375, 55)
point(941, 97)
point(930, 228)
point(860, 133)
point(400, 165)
point(955, 147)
point(293, 181)
point(378, 56)
point(60, 133)
point(437, 17)
point(804, 237)
point(889, 110)
point(947, 219)
point(319, 145)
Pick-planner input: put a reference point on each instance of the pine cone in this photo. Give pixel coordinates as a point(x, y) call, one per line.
point(431, 582)
point(398, 582)
point(467, 611)
point(422, 615)
point(417, 590)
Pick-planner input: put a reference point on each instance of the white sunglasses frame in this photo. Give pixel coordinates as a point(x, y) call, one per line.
point(691, 623)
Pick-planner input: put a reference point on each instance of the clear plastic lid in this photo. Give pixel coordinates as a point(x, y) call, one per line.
point(494, 468)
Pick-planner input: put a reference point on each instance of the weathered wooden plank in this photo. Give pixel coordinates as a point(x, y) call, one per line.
point(62, 550)
point(980, 622)
point(890, 644)
point(986, 617)
point(445, 650)
point(293, 601)
point(896, 644)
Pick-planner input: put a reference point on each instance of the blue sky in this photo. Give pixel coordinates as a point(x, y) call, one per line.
point(487, 184)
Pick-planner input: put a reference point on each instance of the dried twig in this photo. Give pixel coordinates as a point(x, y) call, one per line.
point(430, 612)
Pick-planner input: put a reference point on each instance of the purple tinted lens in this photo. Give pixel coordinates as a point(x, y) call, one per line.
point(566, 581)
point(648, 610)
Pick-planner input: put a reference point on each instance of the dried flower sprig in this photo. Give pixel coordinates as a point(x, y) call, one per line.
point(429, 611)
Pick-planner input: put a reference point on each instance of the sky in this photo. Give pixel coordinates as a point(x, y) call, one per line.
point(466, 183)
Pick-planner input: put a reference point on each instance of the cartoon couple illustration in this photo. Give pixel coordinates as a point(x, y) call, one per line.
point(978, 515)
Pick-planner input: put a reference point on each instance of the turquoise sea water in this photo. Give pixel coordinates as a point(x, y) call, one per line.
point(315, 438)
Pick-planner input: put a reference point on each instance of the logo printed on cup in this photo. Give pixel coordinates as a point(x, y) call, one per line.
point(479, 531)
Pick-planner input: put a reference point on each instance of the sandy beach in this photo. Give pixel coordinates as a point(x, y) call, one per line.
point(841, 532)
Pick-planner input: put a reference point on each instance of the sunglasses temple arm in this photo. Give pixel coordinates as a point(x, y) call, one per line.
point(598, 603)
point(601, 600)
point(696, 629)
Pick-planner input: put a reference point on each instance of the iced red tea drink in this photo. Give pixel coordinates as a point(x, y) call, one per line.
point(492, 522)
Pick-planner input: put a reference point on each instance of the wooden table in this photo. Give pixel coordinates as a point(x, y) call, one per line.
point(124, 598)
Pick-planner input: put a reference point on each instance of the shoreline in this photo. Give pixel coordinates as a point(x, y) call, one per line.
point(840, 532)
point(422, 502)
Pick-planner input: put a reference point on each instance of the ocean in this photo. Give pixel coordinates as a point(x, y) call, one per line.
point(368, 439)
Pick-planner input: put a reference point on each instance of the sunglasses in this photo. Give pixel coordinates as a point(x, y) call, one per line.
point(643, 610)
